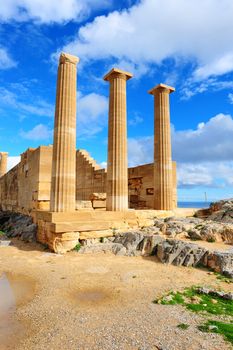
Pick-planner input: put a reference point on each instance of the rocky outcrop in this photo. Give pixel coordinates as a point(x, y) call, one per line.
point(180, 253)
point(215, 293)
point(221, 211)
point(18, 225)
point(168, 251)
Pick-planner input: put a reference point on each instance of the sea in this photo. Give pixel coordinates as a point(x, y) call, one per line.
point(201, 205)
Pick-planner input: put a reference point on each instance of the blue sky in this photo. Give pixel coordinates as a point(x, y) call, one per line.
point(186, 44)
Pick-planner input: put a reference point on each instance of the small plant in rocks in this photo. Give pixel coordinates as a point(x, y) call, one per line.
point(223, 278)
point(183, 326)
point(2, 233)
point(77, 247)
point(211, 239)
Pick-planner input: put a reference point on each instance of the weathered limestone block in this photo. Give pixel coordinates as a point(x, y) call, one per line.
point(220, 262)
point(149, 244)
point(64, 242)
point(180, 253)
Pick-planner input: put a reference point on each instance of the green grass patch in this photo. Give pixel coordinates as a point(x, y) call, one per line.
point(77, 247)
point(207, 304)
point(226, 329)
point(2, 233)
point(183, 326)
point(211, 239)
point(223, 278)
point(198, 302)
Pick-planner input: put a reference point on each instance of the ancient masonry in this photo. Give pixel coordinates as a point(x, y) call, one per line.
point(68, 195)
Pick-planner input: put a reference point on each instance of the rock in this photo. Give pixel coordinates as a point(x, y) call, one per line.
point(115, 248)
point(4, 242)
point(215, 293)
point(130, 240)
point(148, 245)
point(195, 234)
point(29, 233)
point(180, 253)
point(228, 273)
point(220, 262)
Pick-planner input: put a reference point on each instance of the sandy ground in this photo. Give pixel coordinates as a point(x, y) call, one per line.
point(100, 301)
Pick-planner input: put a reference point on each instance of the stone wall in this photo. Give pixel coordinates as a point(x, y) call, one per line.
point(26, 187)
point(91, 179)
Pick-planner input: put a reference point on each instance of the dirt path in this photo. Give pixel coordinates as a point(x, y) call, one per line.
point(102, 302)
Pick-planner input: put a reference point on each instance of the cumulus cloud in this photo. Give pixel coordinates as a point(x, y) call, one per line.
point(211, 141)
point(47, 11)
point(204, 156)
point(18, 96)
point(92, 112)
point(39, 132)
point(6, 62)
point(153, 30)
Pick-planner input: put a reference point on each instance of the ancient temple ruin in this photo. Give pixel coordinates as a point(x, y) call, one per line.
point(68, 194)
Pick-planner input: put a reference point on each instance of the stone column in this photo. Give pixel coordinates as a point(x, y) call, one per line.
point(163, 179)
point(3, 163)
point(117, 169)
point(62, 197)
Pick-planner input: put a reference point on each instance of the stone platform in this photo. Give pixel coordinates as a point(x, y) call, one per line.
point(61, 231)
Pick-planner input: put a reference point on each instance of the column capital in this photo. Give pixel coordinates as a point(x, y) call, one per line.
point(67, 58)
point(115, 73)
point(161, 87)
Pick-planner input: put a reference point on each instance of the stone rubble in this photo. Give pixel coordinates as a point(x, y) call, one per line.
point(18, 225)
point(168, 251)
point(215, 293)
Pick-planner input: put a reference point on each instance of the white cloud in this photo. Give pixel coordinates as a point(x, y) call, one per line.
point(39, 132)
point(12, 161)
point(92, 114)
point(230, 97)
point(18, 100)
point(211, 141)
point(204, 156)
point(6, 62)
point(46, 11)
point(135, 120)
point(153, 30)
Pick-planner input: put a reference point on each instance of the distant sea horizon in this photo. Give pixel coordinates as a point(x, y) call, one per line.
point(198, 204)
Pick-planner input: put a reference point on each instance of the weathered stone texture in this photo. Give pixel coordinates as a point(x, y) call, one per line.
point(117, 174)
point(64, 141)
point(163, 181)
point(3, 163)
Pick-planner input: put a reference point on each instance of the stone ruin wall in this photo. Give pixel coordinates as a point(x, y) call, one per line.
point(91, 179)
point(26, 187)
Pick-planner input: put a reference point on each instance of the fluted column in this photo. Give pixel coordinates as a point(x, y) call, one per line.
point(163, 180)
point(3, 163)
point(117, 169)
point(62, 197)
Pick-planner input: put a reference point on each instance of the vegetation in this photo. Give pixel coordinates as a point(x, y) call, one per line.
point(77, 247)
point(211, 239)
point(226, 329)
point(223, 278)
point(206, 304)
point(196, 302)
point(183, 326)
point(2, 233)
